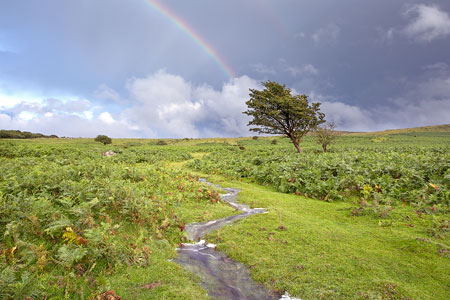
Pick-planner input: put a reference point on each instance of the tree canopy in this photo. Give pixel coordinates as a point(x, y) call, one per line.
point(103, 139)
point(276, 111)
point(326, 135)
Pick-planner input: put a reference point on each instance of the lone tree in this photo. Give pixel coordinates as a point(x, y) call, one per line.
point(276, 111)
point(103, 139)
point(326, 135)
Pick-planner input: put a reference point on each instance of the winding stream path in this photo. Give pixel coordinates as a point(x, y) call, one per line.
point(222, 277)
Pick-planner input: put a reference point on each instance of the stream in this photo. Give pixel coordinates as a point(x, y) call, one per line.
point(222, 277)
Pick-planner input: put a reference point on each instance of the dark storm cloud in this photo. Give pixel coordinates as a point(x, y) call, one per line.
point(372, 63)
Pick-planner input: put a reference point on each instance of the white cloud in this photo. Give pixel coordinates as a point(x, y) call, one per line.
point(10, 100)
point(165, 105)
point(422, 113)
point(173, 107)
point(263, 69)
point(88, 114)
point(51, 105)
point(26, 115)
point(307, 69)
point(56, 105)
point(439, 66)
point(162, 105)
point(327, 34)
point(104, 92)
point(426, 102)
point(426, 23)
point(429, 23)
point(398, 114)
point(106, 117)
point(284, 66)
point(348, 117)
point(4, 119)
point(64, 118)
point(68, 125)
point(159, 88)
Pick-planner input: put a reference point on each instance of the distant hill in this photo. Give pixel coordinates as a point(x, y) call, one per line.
point(435, 128)
point(17, 134)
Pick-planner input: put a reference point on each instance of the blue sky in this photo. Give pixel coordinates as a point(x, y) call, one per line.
point(121, 68)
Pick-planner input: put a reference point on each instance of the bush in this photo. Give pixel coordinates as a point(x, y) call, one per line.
point(274, 142)
point(17, 134)
point(103, 139)
point(255, 137)
point(161, 143)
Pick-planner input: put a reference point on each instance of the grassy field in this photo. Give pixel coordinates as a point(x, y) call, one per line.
point(368, 220)
point(318, 250)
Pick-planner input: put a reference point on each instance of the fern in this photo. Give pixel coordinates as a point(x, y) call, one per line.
point(69, 254)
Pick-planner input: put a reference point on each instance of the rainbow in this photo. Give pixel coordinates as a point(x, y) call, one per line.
point(208, 49)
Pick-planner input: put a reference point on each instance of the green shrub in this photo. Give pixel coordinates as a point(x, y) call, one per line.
point(103, 139)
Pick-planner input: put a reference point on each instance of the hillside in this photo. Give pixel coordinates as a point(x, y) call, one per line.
point(17, 134)
point(435, 128)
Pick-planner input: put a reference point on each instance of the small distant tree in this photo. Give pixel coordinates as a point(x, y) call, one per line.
point(326, 135)
point(103, 139)
point(276, 111)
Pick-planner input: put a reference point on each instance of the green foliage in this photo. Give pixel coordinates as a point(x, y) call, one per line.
point(103, 139)
point(17, 134)
point(68, 216)
point(70, 219)
point(325, 135)
point(161, 143)
point(325, 253)
point(275, 111)
point(388, 175)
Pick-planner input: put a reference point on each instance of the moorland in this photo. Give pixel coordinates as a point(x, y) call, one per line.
point(369, 219)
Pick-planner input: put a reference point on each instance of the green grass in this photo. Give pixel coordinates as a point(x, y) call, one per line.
point(325, 253)
point(320, 252)
point(170, 280)
point(74, 224)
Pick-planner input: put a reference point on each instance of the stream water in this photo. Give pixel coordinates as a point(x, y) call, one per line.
point(222, 277)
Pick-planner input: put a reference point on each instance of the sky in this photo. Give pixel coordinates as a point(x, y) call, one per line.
point(176, 69)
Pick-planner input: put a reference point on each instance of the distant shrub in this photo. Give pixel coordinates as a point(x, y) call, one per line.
point(161, 143)
point(103, 139)
point(17, 134)
point(274, 142)
point(255, 137)
point(326, 135)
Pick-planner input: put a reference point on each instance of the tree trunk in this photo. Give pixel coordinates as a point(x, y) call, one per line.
point(296, 143)
point(298, 148)
point(324, 146)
